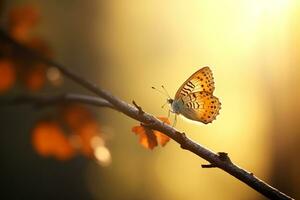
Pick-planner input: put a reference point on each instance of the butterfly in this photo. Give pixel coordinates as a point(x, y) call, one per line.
point(195, 100)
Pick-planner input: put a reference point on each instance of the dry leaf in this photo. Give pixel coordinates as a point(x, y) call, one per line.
point(149, 138)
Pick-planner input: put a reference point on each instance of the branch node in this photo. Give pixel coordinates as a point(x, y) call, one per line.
point(183, 137)
point(223, 156)
point(138, 107)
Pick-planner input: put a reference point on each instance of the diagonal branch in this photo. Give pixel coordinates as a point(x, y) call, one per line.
point(217, 160)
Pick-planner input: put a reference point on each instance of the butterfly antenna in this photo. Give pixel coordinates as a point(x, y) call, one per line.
point(163, 93)
point(164, 105)
point(166, 91)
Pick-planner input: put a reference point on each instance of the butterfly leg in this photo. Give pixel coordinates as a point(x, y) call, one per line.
point(169, 113)
point(175, 120)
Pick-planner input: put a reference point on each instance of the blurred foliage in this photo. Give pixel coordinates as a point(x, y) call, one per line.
point(49, 139)
point(16, 66)
point(77, 130)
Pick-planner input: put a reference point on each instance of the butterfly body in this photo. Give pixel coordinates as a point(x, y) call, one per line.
point(195, 100)
point(176, 106)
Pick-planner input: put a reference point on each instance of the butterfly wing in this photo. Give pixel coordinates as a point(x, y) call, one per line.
point(201, 80)
point(200, 106)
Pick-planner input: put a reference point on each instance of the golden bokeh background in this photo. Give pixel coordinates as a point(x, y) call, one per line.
point(252, 47)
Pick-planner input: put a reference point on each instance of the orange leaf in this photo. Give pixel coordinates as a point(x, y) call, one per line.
point(20, 32)
point(21, 20)
point(164, 119)
point(150, 138)
point(48, 139)
point(161, 138)
point(35, 77)
point(76, 115)
point(83, 123)
point(147, 137)
point(27, 14)
point(7, 75)
point(87, 132)
point(62, 150)
point(40, 46)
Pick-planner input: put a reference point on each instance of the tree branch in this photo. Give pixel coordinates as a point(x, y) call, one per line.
point(216, 160)
point(41, 101)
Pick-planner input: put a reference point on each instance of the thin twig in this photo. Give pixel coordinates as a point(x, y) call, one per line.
point(208, 166)
point(156, 124)
point(138, 107)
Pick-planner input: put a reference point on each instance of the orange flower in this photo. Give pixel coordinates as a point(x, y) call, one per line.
point(150, 138)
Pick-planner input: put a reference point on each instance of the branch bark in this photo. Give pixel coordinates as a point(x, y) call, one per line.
point(41, 101)
point(220, 160)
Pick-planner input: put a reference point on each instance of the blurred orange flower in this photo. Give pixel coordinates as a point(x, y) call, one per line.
point(150, 138)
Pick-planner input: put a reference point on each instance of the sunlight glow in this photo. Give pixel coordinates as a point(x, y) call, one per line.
point(268, 7)
point(97, 141)
point(244, 42)
point(54, 76)
point(103, 156)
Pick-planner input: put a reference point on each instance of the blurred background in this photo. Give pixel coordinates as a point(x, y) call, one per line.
point(252, 47)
